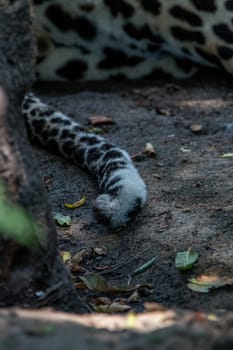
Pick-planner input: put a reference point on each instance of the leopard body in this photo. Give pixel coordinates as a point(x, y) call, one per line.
point(109, 39)
point(119, 39)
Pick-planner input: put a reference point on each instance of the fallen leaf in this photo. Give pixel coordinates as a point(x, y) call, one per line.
point(78, 257)
point(96, 282)
point(227, 155)
point(151, 306)
point(100, 250)
point(204, 284)
point(163, 111)
point(196, 127)
point(76, 204)
point(80, 285)
point(185, 149)
point(62, 220)
point(134, 297)
point(75, 267)
point(100, 120)
point(66, 257)
point(101, 301)
point(114, 307)
point(143, 267)
point(186, 260)
point(149, 150)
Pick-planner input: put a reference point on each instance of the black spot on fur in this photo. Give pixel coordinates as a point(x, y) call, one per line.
point(185, 15)
point(117, 58)
point(60, 121)
point(187, 35)
point(52, 146)
point(120, 7)
point(45, 136)
point(142, 33)
point(184, 64)
point(68, 148)
point(26, 104)
point(79, 155)
point(229, 5)
point(112, 182)
point(89, 140)
point(112, 154)
point(114, 191)
point(205, 5)
point(93, 154)
point(208, 57)
point(66, 133)
point(225, 52)
point(64, 22)
point(72, 70)
point(87, 7)
point(59, 17)
point(111, 166)
point(85, 28)
point(151, 6)
point(106, 146)
point(38, 125)
point(54, 132)
point(108, 171)
point(224, 33)
point(33, 112)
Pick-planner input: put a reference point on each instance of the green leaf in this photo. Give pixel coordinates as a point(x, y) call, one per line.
point(185, 260)
point(17, 225)
point(96, 282)
point(143, 267)
point(62, 220)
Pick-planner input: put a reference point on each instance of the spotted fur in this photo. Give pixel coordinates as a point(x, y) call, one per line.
point(123, 190)
point(109, 39)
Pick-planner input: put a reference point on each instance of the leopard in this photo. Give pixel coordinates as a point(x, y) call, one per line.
point(89, 40)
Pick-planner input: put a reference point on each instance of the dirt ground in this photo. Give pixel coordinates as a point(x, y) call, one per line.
point(189, 205)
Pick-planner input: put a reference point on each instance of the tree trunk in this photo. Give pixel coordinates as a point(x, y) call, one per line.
point(23, 271)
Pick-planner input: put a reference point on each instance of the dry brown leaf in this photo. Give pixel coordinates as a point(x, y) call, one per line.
point(134, 297)
point(114, 307)
point(101, 301)
point(80, 286)
point(151, 306)
point(75, 267)
point(100, 120)
point(100, 250)
point(78, 257)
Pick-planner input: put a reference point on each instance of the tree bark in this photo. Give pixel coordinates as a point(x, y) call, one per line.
point(22, 271)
